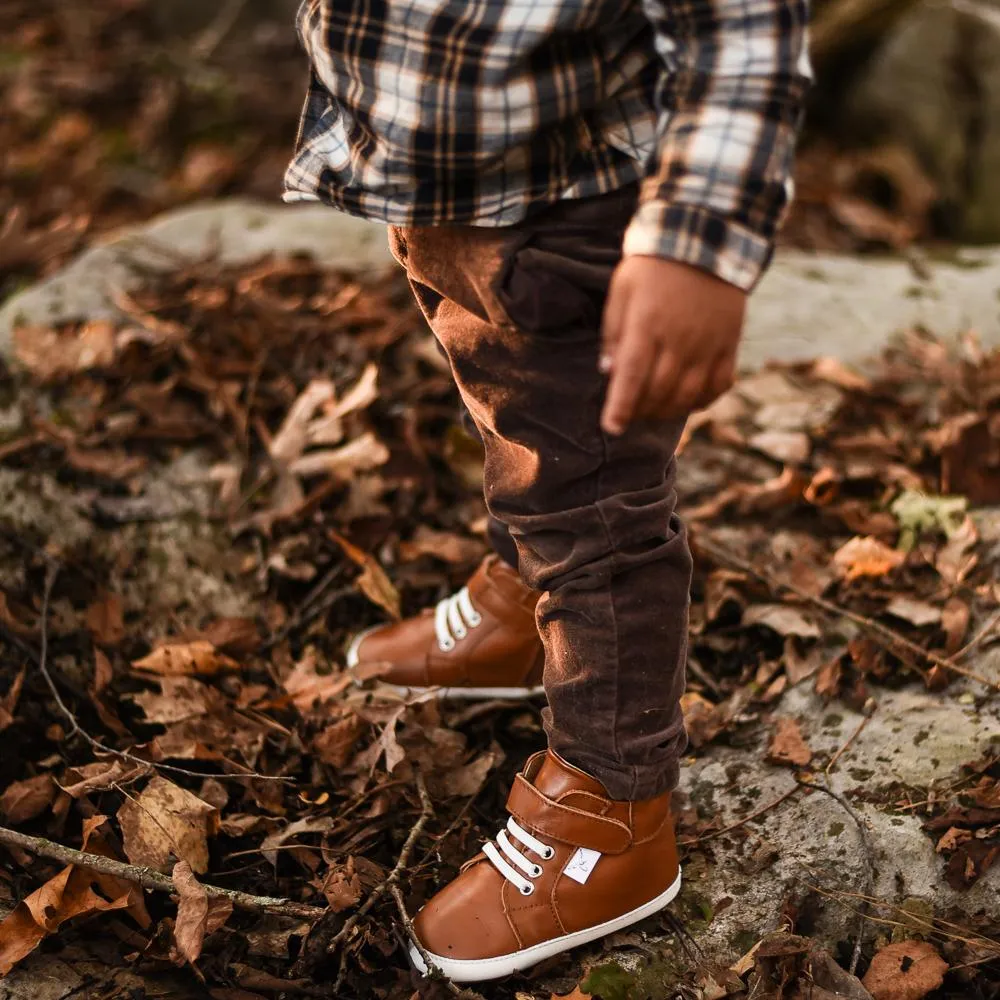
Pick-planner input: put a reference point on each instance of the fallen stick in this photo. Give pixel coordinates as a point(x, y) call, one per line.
point(740, 822)
point(426, 811)
point(888, 635)
point(151, 879)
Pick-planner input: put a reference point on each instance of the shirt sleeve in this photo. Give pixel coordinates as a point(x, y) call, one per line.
point(730, 103)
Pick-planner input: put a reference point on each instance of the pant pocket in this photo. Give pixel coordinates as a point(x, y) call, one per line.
point(537, 291)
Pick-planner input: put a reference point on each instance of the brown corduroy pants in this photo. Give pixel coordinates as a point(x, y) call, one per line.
point(588, 519)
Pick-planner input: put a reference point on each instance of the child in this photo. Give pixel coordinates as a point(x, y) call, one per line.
point(582, 193)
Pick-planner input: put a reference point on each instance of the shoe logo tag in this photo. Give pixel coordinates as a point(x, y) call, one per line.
point(582, 864)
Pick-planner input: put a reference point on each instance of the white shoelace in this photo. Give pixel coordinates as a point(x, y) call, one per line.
point(546, 853)
point(453, 618)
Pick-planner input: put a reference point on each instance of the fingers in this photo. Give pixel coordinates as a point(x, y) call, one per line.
point(630, 374)
point(677, 388)
point(611, 327)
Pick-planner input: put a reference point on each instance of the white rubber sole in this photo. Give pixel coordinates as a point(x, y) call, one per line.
point(445, 693)
point(482, 969)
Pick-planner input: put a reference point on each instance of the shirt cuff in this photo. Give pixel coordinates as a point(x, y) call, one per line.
point(699, 237)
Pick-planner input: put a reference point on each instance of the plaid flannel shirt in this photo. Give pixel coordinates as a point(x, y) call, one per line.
point(430, 112)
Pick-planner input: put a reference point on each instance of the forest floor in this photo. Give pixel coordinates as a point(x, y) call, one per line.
point(202, 499)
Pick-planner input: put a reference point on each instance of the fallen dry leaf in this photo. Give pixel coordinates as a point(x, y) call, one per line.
point(179, 698)
point(8, 703)
point(237, 636)
point(373, 581)
point(915, 612)
point(198, 915)
point(781, 618)
point(444, 545)
point(908, 970)
point(290, 441)
point(106, 620)
point(69, 895)
point(309, 824)
point(98, 839)
point(185, 659)
point(361, 455)
point(833, 370)
point(100, 776)
point(165, 823)
point(8, 618)
point(866, 557)
point(64, 897)
point(50, 355)
point(788, 746)
point(24, 800)
point(342, 887)
point(335, 744)
point(955, 618)
point(308, 688)
point(790, 447)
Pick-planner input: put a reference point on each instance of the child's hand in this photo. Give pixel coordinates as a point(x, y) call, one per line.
point(670, 337)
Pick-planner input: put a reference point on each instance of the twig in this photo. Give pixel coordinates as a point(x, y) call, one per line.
point(978, 638)
point(847, 743)
point(432, 969)
point(705, 677)
point(943, 928)
point(312, 607)
point(869, 859)
point(41, 660)
point(888, 635)
point(151, 879)
point(426, 811)
point(746, 819)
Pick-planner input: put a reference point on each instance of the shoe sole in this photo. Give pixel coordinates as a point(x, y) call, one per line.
point(483, 969)
point(444, 693)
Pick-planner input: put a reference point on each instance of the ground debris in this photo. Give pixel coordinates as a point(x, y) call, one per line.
point(333, 463)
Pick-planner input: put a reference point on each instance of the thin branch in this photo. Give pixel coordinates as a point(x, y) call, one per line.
point(426, 811)
point(978, 638)
point(151, 879)
point(909, 919)
point(888, 635)
point(432, 969)
point(869, 859)
point(847, 743)
point(41, 660)
point(746, 819)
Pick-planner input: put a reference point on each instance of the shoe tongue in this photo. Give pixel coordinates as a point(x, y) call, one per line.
point(556, 778)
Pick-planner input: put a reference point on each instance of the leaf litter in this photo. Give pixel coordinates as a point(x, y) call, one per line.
point(833, 483)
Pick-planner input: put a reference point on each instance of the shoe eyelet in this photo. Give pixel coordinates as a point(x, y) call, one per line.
point(527, 890)
point(536, 872)
point(447, 646)
point(550, 853)
point(460, 633)
point(476, 621)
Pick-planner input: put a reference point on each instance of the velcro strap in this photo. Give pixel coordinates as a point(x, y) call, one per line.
point(564, 823)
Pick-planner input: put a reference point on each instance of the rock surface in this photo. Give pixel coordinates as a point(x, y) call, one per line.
point(934, 87)
point(913, 739)
point(807, 305)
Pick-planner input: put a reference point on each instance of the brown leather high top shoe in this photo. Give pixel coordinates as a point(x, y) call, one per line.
point(571, 866)
point(480, 643)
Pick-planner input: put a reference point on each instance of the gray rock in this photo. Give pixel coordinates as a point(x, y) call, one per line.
point(231, 232)
point(934, 87)
point(914, 739)
point(848, 307)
